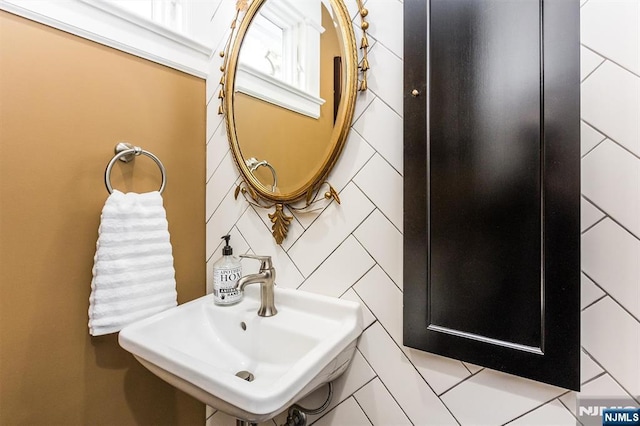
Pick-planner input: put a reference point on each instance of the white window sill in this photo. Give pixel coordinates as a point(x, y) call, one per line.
point(264, 87)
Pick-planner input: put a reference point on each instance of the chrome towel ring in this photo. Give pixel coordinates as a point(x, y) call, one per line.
point(126, 152)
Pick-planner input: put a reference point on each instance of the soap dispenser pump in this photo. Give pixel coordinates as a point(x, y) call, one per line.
point(226, 273)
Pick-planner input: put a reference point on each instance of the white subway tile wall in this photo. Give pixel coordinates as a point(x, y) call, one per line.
point(354, 250)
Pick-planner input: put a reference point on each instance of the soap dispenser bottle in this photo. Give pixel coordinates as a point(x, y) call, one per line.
point(226, 273)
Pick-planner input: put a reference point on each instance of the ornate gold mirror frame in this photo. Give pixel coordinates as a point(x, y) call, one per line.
point(355, 79)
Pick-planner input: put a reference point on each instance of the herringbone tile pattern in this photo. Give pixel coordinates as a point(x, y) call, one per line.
point(354, 250)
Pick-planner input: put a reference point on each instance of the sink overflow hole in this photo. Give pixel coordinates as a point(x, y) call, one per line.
point(243, 325)
point(245, 375)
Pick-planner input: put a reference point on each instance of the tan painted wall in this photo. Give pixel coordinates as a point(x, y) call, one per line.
point(64, 103)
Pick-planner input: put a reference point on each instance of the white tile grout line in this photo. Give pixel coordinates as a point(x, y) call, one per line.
point(357, 281)
point(594, 206)
point(609, 59)
point(386, 388)
point(220, 203)
point(594, 70)
point(594, 302)
point(376, 151)
point(209, 101)
point(590, 227)
point(613, 219)
point(234, 224)
point(594, 147)
point(464, 364)
point(378, 41)
point(612, 140)
point(603, 136)
point(461, 381)
point(362, 409)
point(374, 259)
point(364, 192)
point(211, 415)
point(535, 408)
point(608, 294)
point(215, 11)
point(610, 375)
point(206, 144)
point(218, 115)
point(378, 208)
point(570, 411)
point(387, 104)
point(582, 349)
point(338, 246)
point(337, 405)
point(597, 376)
point(356, 118)
point(227, 152)
point(367, 162)
point(352, 395)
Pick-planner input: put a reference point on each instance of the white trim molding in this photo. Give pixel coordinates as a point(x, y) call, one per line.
point(107, 24)
point(269, 89)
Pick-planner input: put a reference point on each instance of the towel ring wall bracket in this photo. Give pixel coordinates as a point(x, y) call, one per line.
point(127, 152)
point(124, 146)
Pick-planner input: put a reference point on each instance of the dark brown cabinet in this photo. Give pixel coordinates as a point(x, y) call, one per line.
point(492, 184)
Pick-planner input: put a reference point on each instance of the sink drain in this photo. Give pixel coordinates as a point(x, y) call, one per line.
point(245, 375)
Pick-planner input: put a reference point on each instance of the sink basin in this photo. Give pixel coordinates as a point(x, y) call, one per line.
point(199, 348)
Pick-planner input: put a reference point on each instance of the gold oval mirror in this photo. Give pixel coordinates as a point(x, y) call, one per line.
point(289, 94)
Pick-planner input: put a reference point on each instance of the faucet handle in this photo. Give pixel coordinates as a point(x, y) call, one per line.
point(265, 261)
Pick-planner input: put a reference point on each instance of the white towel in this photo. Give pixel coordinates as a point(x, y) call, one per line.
point(133, 275)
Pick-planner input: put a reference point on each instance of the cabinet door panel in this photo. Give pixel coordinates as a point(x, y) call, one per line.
point(492, 184)
point(484, 177)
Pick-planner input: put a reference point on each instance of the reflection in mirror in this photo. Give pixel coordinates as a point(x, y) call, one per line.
point(284, 91)
point(253, 165)
point(280, 56)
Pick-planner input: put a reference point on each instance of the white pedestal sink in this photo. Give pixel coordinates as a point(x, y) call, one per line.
point(199, 348)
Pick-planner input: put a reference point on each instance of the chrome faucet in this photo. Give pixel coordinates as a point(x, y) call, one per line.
point(266, 278)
